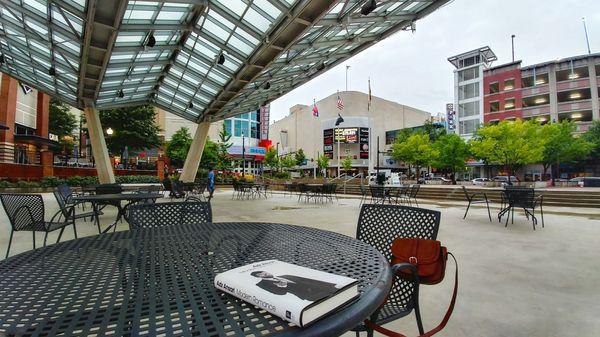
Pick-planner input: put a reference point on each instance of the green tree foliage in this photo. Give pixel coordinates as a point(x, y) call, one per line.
point(224, 160)
point(322, 162)
point(561, 146)
point(300, 157)
point(287, 161)
point(509, 143)
point(271, 159)
point(134, 127)
point(61, 121)
point(416, 150)
point(179, 145)
point(452, 154)
point(346, 164)
point(593, 137)
point(433, 130)
point(211, 157)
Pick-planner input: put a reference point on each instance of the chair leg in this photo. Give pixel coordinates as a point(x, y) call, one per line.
point(74, 229)
point(488, 208)
point(419, 321)
point(357, 333)
point(542, 214)
point(60, 234)
point(9, 242)
point(33, 234)
point(467, 210)
point(45, 238)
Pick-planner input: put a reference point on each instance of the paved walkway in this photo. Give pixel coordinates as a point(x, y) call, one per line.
point(513, 282)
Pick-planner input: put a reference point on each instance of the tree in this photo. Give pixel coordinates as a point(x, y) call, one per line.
point(60, 120)
point(592, 135)
point(287, 161)
point(561, 146)
point(510, 144)
point(322, 162)
point(433, 130)
point(179, 145)
point(224, 160)
point(347, 164)
point(452, 154)
point(416, 150)
point(271, 158)
point(134, 127)
point(300, 157)
point(210, 155)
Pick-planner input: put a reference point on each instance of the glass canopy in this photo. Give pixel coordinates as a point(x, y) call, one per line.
point(202, 60)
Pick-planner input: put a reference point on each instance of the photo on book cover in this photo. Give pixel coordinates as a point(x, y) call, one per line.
point(302, 287)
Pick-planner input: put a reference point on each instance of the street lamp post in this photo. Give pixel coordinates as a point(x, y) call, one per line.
point(243, 156)
point(339, 121)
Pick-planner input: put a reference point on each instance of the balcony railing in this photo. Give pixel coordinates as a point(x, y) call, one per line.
point(573, 84)
point(532, 91)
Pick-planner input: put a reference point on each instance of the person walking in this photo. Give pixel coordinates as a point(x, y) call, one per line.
point(210, 184)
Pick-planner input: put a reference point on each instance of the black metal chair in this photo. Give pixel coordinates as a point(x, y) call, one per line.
point(363, 194)
point(169, 214)
point(476, 198)
point(413, 191)
point(65, 204)
point(379, 226)
point(379, 195)
point(177, 190)
point(524, 198)
point(26, 213)
point(403, 195)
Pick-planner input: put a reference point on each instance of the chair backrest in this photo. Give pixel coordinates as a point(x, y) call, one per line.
point(62, 202)
point(64, 191)
point(414, 190)
point(377, 191)
point(23, 209)
point(520, 196)
point(109, 189)
point(303, 188)
point(380, 225)
point(169, 214)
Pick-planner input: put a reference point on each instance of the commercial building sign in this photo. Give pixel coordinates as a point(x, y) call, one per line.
point(264, 121)
point(450, 117)
point(364, 143)
point(355, 135)
point(328, 143)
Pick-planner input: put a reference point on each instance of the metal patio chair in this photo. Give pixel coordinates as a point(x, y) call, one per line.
point(26, 213)
point(476, 198)
point(65, 204)
point(379, 226)
point(413, 191)
point(379, 195)
point(169, 214)
point(523, 198)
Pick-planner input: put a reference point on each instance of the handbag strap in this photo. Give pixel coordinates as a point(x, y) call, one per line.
point(433, 331)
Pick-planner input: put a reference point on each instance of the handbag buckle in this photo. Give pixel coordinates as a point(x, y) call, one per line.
point(413, 260)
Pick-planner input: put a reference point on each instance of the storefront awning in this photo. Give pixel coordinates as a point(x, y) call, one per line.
point(35, 140)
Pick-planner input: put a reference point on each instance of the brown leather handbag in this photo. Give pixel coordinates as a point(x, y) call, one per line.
point(429, 257)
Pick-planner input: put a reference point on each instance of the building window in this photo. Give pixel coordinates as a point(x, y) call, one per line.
point(536, 100)
point(494, 106)
point(468, 126)
point(494, 88)
point(509, 84)
point(574, 95)
point(468, 109)
point(530, 81)
point(572, 74)
point(227, 124)
point(254, 130)
point(468, 74)
point(237, 128)
point(509, 104)
point(390, 137)
point(468, 91)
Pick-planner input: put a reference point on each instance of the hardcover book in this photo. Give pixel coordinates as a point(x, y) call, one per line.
point(297, 294)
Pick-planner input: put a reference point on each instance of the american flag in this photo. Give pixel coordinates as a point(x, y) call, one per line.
point(315, 109)
point(340, 104)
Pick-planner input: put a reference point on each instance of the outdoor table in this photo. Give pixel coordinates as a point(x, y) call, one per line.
point(115, 199)
point(159, 281)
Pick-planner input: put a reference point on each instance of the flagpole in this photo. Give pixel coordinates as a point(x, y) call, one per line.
point(347, 67)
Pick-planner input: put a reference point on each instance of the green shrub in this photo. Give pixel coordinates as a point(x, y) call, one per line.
point(27, 184)
point(51, 181)
point(5, 184)
point(142, 179)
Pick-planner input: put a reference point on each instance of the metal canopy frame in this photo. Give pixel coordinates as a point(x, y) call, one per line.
point(114, 53)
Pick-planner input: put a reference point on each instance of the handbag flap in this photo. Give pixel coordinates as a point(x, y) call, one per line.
point(426, 251)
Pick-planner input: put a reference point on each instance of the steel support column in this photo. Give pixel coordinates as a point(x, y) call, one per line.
point(103, 166)
point(192, 161)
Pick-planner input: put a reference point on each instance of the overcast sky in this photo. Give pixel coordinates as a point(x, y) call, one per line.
point(412, 69)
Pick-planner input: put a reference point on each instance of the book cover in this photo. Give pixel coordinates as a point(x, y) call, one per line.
point(297, 294)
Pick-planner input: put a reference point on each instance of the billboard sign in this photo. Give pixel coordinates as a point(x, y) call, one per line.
point(265, 111)
point(450, 117)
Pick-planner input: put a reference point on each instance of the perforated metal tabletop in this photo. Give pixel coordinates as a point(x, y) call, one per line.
point(159, 281)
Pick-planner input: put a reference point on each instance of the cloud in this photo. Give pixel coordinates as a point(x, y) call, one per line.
point(412, 69)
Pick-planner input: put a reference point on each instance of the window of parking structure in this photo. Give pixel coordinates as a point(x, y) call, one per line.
point(509, 104)
point(509, 84)
point(494, 106)
point(494, 87)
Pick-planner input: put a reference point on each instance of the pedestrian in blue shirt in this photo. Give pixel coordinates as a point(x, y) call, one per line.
point(210, 184)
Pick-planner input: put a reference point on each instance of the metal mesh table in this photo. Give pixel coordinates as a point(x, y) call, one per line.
point(159, 281)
